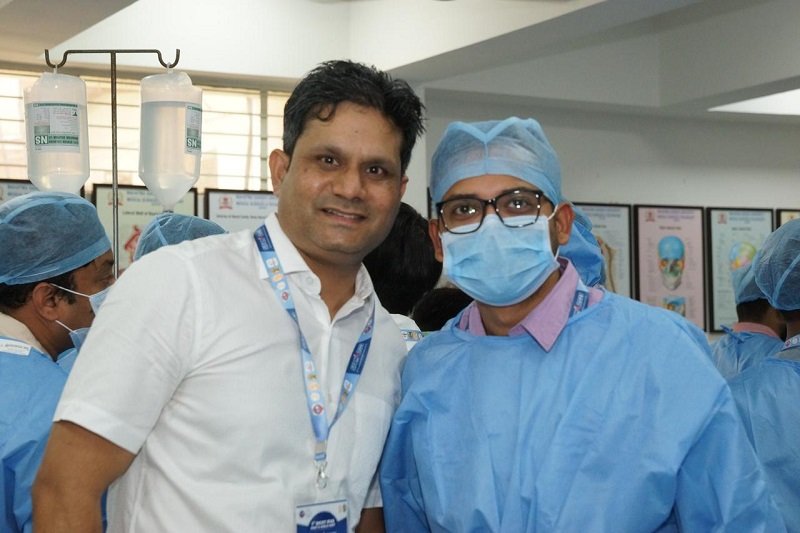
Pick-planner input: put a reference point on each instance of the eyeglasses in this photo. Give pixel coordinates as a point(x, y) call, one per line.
point(515, 209)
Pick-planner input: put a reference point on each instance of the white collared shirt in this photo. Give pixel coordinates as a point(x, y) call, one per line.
point(195, 366)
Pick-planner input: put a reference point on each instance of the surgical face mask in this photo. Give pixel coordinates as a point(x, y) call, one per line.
point(499, 265)
point(76, 335)
point(95, 300)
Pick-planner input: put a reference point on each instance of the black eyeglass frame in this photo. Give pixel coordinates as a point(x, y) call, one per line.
point(540, 197)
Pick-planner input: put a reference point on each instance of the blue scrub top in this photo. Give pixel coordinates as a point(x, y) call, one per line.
point(623, 426)
point(30, 386)
point(735, 352)
point(768, 398)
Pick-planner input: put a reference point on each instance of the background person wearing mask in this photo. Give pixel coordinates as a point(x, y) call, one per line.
point(757, 334)
point(246, 382)
point(55, 265)
point(768, 393)
point(172, 228)
point(546, 405)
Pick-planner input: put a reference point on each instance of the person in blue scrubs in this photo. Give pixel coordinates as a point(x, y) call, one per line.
point(768, 394)
point(55, 265)
point(758, 333)
point(172, 228)
point(583, 250)
point(547, 405)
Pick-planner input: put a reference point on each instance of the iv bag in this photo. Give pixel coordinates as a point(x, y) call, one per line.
point(169, 147)
point(57, 133)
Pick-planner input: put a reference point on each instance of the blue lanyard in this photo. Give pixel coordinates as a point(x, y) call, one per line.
point(314, 394)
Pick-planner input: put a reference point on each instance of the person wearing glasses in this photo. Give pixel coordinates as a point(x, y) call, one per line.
point(547, 405)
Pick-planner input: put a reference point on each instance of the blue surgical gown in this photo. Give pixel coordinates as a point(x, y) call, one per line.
point(768, 398)
point(623, 426)
point(737, 351)
point(30, 386)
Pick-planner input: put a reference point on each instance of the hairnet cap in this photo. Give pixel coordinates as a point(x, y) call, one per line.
point(777, 267)
point(172, 228)
point(583, 250)
point(46, 234)
point(744, 285)
point(514, 147)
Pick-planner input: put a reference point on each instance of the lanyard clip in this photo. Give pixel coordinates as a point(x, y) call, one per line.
point(322, 477)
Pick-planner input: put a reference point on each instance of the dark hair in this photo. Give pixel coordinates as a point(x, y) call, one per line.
point(753, 311)
point(438, 306)
point(404, 266)
point(15, 296)
point(333, 82)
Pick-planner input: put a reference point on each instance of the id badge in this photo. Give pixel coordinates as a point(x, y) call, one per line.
point(326, 517)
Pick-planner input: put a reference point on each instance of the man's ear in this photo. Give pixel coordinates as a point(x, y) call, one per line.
point(563, 219)
point(278, 167)
point(45, 300)
point(433, 232)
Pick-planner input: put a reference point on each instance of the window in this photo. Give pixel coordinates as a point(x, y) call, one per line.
point(240, 128)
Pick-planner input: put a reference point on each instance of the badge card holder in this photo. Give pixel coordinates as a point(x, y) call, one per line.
point(326, 517)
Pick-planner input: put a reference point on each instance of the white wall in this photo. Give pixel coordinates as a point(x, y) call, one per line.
point(624, 158)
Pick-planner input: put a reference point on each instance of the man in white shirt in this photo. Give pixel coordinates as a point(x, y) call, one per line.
point(211, 392)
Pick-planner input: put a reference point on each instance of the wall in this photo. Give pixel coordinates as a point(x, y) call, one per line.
point(626, 158)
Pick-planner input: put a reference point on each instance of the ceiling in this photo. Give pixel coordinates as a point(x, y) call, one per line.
point(668, 57)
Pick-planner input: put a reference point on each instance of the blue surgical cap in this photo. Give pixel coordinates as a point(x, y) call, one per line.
point(744, 285)
point(584, 251)
point(514, 147)
point(670, 247)
point(172, 228)
point(46, 234)
point(777, 267)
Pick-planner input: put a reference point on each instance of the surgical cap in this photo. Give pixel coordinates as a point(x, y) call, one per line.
point(172, 228)
point(744, 285)
point(46, 234)
point(514, 147)
point(584, 251)
point(777, 267)
point(670, 247)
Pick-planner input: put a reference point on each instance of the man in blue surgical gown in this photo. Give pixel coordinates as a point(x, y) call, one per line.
point(55, 265)
point(547, 405)
point(768, 394)
point(756, 335)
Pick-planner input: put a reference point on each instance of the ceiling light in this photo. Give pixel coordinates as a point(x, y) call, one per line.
point(785, 103)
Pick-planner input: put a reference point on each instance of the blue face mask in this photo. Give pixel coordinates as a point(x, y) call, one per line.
point(77, 336)
point(95, 300)
point(498, 265)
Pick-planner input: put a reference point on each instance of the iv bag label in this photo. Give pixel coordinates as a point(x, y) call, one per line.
point(194, 121)
point(56, 127)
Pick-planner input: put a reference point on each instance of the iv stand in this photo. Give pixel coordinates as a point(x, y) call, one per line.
point(114, 182)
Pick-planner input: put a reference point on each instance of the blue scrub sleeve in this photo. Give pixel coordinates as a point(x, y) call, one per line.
point(720, 470)
point(403, 508)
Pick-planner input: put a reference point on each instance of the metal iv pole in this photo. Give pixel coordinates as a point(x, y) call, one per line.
point(114, 181)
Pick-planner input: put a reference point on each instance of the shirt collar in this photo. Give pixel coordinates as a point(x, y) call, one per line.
point(754, 327)
point(546, 322)
point(13, 328)
point(295, 266)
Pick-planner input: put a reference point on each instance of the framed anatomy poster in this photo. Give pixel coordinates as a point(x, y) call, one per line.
point(670, 259)
point(734, 237)
point(785, 215)
point(136, 207)
point(12, 188)
point(235, 210)
point(611, 226)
